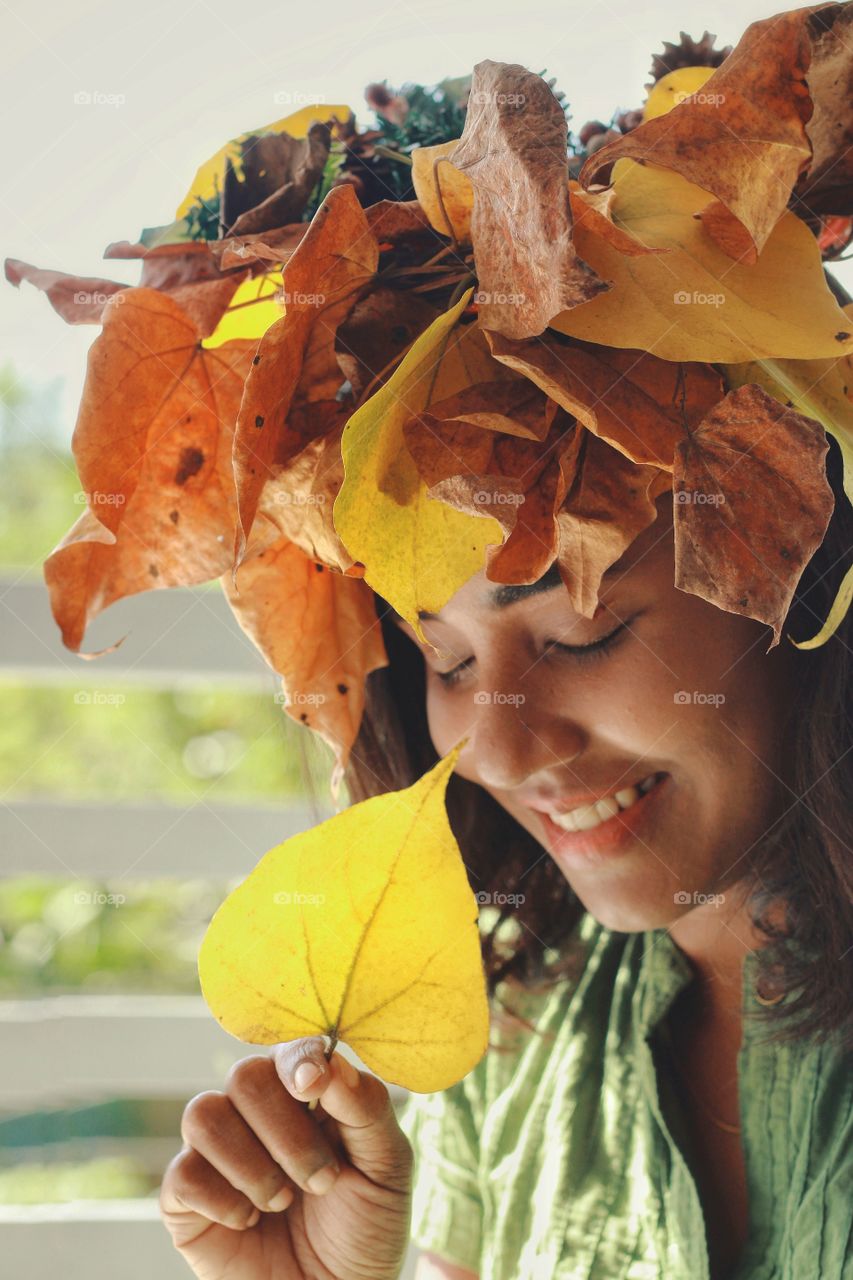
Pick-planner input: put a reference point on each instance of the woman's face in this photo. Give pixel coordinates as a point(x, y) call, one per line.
point(685, 691)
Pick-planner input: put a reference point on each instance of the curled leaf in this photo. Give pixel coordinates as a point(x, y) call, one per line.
point(513, 149)
point(363, 929)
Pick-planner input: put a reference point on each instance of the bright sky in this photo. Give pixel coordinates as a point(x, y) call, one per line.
point(175, 79)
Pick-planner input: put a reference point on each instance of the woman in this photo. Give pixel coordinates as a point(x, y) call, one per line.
point(636, 1118)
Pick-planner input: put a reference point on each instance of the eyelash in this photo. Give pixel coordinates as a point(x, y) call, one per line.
point(583, 652)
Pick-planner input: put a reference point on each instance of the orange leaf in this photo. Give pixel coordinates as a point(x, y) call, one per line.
point(295, 364)
point(318, 629)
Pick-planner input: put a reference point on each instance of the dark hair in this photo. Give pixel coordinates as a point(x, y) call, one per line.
point(806, 860)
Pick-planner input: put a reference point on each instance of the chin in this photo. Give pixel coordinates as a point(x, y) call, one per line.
point(630, 917)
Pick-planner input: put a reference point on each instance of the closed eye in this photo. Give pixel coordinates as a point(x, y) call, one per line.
point(582, 652)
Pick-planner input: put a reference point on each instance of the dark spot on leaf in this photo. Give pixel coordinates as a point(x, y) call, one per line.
point(257, 360)
point(743, 602)
point(319, 568)
point(259, 422)
point(784, 553)
point(174, 517)
point(342, 688)
point(154, 571)
point(190, 464)
point(303, 715)
point(841, 336)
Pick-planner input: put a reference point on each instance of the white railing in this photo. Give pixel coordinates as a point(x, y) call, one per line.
point(71, 1049)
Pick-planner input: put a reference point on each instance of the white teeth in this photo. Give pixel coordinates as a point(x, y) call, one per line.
point(587, 816)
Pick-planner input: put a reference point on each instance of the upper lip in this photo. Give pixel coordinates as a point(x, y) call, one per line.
point(543, 804)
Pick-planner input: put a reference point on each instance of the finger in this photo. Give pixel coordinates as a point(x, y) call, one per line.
point(193, 1195)
point(212, 1125)
point(288, 1130)
point(361, 1106)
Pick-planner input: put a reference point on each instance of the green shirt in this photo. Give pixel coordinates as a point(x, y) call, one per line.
point(552, 1159)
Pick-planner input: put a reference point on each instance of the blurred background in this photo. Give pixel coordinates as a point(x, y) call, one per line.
point(139, 787)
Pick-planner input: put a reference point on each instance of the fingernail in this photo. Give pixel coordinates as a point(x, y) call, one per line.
point(280, 1200)
point(305, 1075)
point(323, 1179)
point(253, 1217)
point(349, 1072)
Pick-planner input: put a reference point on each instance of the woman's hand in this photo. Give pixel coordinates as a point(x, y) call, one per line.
point(240, 1201)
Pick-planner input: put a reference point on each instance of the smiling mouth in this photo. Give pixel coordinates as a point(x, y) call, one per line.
point(586, 817)
point(605, 835)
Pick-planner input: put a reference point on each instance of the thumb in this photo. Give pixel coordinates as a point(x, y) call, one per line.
point(360, 1107)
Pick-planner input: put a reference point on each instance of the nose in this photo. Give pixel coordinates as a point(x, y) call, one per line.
point(521, 734)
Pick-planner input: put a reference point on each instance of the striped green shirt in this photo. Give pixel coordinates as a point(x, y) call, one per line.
point(552, 1159)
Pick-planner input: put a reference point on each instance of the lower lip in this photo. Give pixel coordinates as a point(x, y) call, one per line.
point(616, 835)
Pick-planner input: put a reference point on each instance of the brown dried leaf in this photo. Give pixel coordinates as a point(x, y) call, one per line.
point(514, 150)
point(636, 402)
point(611, 501)
point(763, 508)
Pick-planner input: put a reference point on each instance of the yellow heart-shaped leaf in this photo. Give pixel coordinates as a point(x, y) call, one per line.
point(364, 929)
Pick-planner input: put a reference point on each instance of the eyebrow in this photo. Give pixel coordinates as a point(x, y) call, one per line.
point(503, 596)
